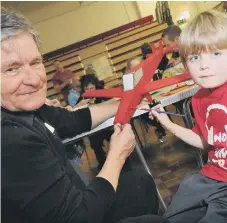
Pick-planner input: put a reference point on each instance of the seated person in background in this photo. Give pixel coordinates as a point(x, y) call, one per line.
point(159, 131)
point(53, 102)
point(88, 83)
point(225, 5)
point(176, 67)
point(146, 50)
point(37, 182)
point(56, 103)
point(171, 36)
point(202, 197)
point(89, 69)
point(62, 81)
point(81, 103)
point(132, 62)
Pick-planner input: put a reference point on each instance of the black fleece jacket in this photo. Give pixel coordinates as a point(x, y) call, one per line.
point(37, 183)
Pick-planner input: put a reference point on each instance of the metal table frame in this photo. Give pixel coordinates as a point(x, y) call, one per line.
point(138, 150)
point(182, 96)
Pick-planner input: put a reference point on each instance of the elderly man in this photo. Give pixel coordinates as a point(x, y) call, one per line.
point(38, 184)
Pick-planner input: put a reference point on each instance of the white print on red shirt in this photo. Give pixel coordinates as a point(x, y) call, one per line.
point(217, 135)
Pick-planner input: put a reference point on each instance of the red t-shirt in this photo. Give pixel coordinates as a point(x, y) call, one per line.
point(210, 110)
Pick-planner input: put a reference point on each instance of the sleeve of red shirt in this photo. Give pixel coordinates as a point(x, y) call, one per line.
point(195, 106)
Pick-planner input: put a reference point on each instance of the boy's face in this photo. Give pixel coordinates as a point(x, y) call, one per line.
point(209, 70)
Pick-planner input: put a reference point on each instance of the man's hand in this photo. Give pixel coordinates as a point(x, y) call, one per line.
point(53, 102)
point(82, 103)
point(122, 143)
point(69, 108)
point(85, 101)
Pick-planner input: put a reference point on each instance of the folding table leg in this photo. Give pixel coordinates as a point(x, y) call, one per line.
point(144, 163)
point(88, 160)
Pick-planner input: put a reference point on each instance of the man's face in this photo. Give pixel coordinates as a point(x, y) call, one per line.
point(166, 41)
point(134, 63)
point(23, 76)
point(90, 87)
point(208, 69)
point(58, 66)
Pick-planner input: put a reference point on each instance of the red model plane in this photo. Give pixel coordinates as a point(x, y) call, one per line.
point(137, 83)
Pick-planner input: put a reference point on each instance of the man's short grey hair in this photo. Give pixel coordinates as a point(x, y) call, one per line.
point(172, 32)
point(13, 23)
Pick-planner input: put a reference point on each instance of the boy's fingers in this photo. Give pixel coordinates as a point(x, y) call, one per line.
point(151, 115)
point(154, 112)
point(159, 106)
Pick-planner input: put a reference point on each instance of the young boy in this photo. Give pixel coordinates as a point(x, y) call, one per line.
point(202, 197)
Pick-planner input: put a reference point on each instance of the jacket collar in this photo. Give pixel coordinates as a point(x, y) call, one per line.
point(19, 115)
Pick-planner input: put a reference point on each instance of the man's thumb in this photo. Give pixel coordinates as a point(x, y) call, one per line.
point(117, 128)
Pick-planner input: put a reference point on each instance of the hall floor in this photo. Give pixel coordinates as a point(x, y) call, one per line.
point(169, 162)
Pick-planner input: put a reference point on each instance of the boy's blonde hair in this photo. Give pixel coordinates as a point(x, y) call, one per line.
point(206, 32)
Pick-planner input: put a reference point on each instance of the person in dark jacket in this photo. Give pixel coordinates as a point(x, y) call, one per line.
point(38, 184)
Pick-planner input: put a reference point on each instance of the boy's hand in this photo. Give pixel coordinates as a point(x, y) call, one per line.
point(163, 118)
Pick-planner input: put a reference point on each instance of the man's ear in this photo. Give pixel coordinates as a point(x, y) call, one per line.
point(176, 39)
